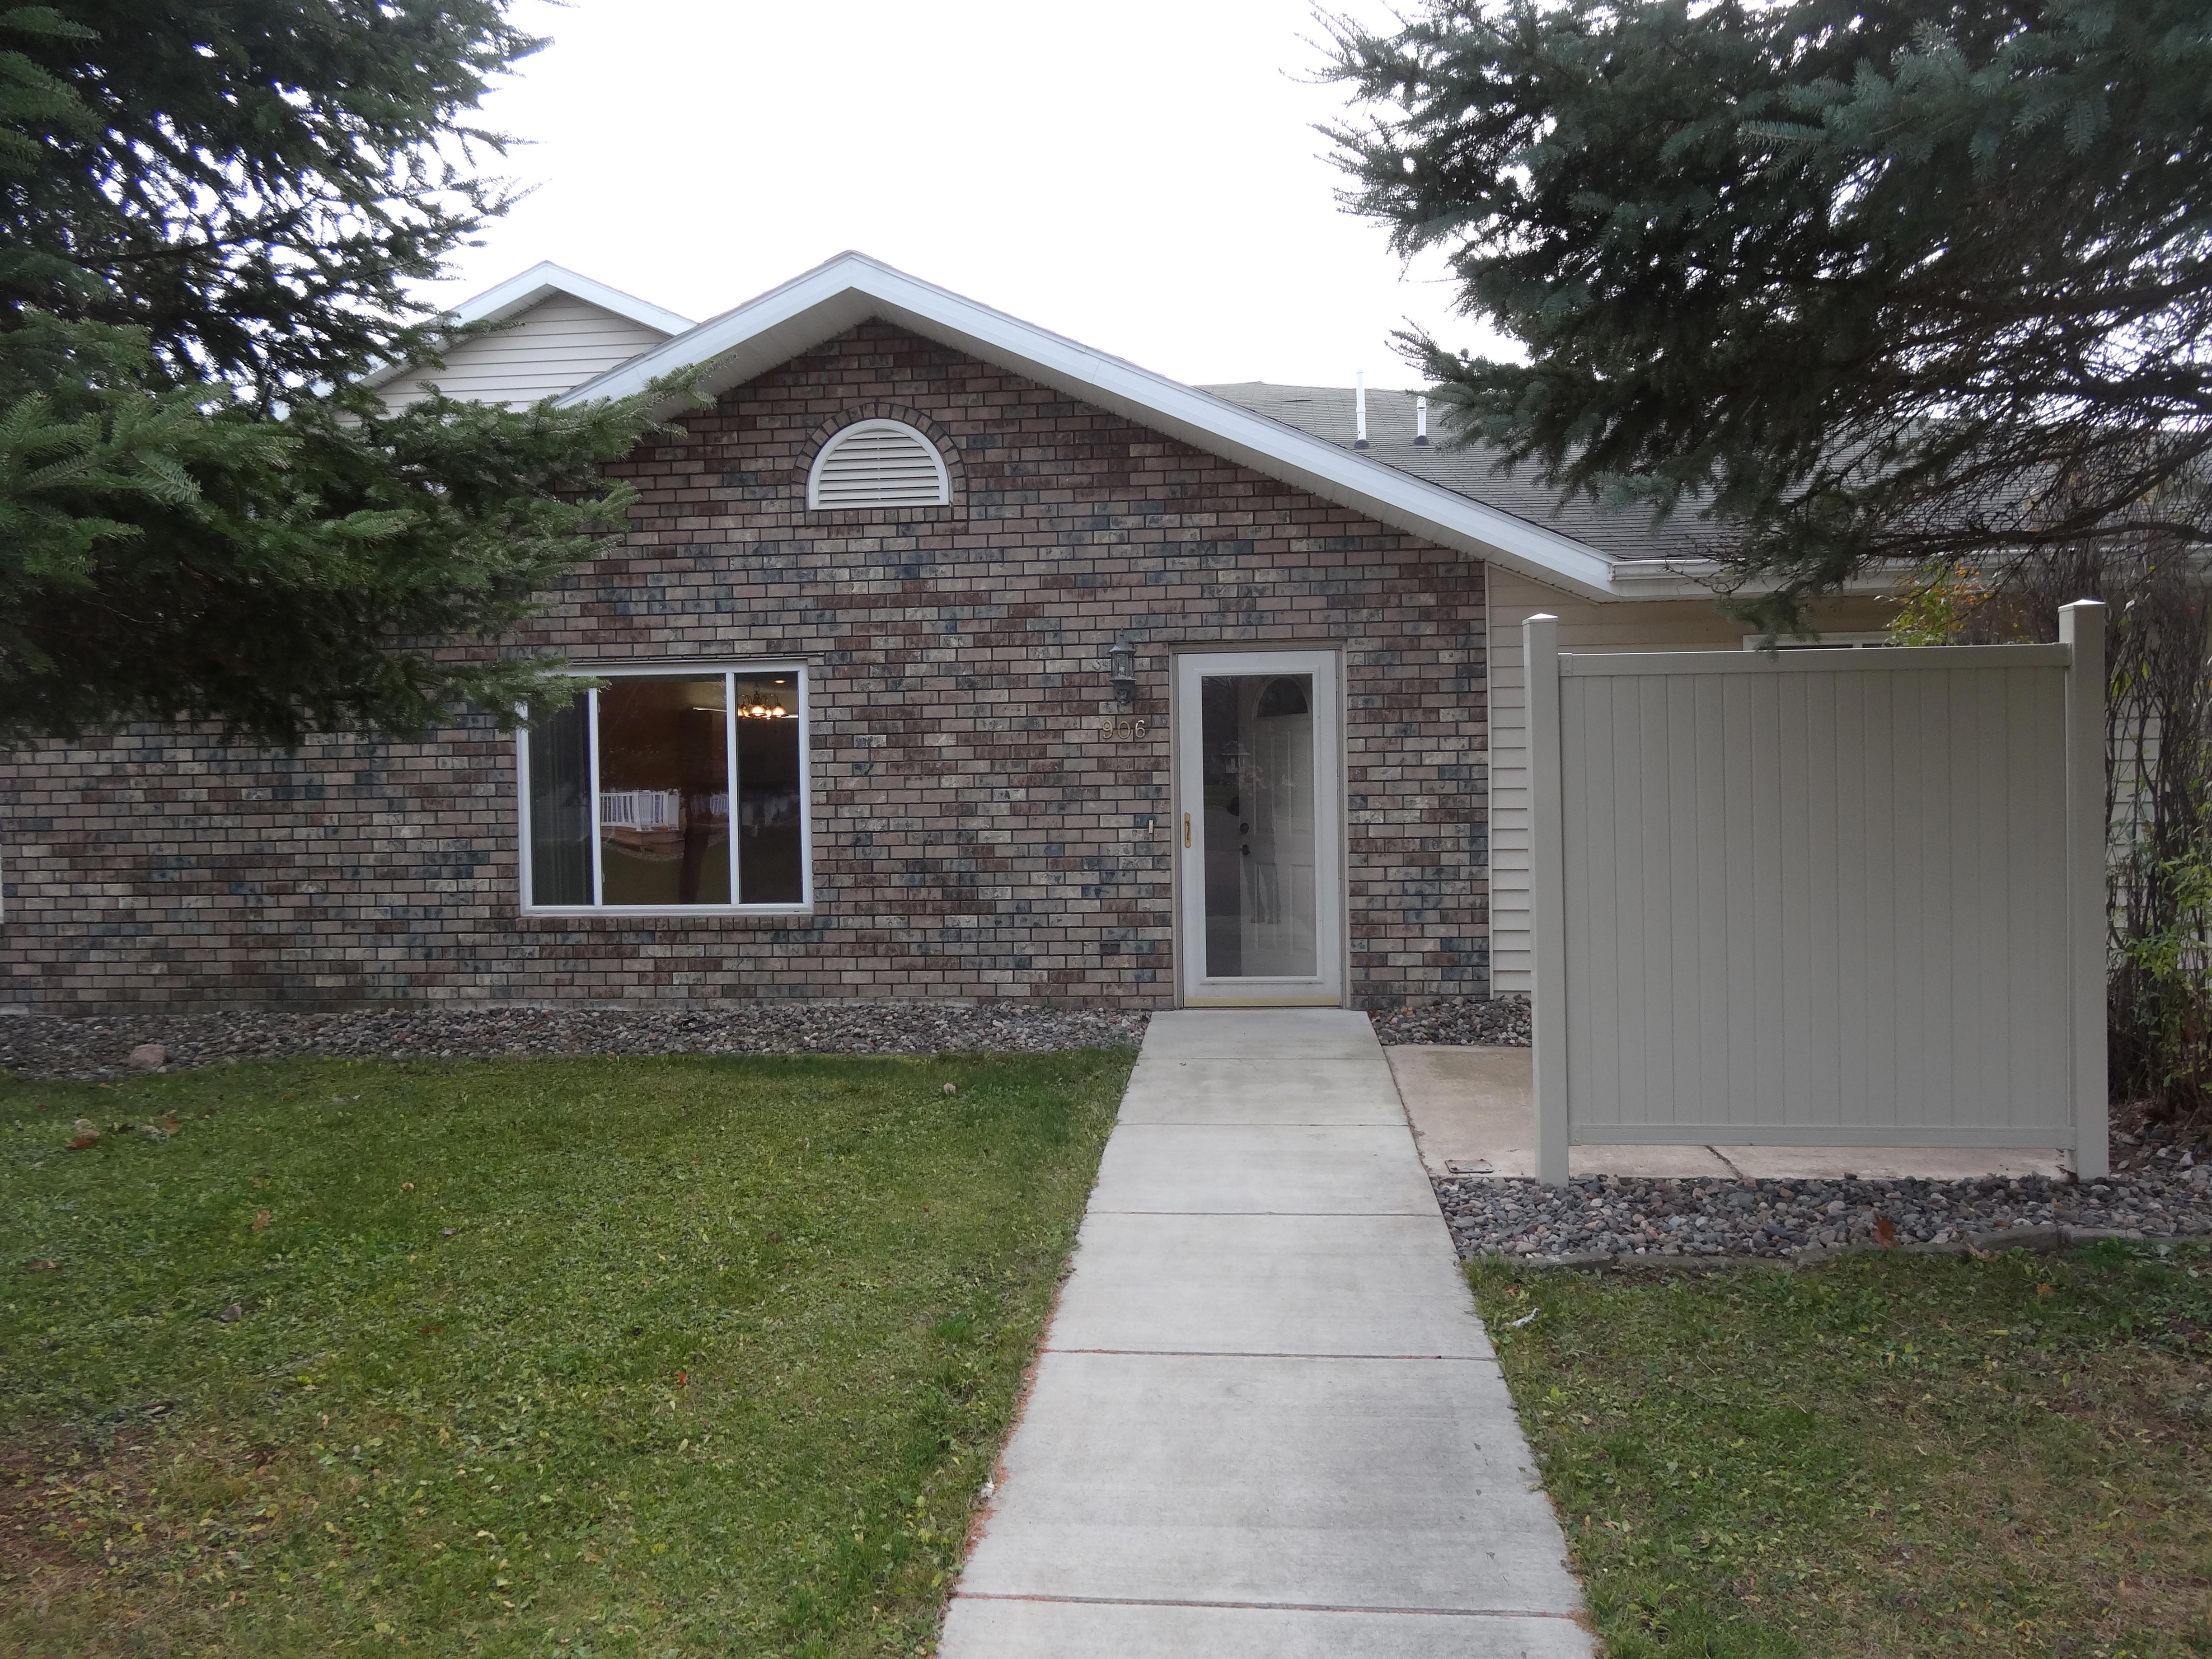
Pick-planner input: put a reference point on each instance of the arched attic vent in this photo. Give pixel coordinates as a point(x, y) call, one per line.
point(878, 463)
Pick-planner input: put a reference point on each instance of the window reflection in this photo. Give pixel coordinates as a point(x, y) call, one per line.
point(663, 793)
point(1256, 742)
point(700, 793)
point(770, 848)
point(560, 805)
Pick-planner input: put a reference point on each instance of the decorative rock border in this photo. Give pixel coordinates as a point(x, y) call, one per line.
point(99, 1047)
point(2038, 1240)
point(94, 1049)
point(1603, 1220)
point(1501, 1022)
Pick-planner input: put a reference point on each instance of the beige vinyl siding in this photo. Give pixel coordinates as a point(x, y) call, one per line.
point(554, 345)
point(1584, 625)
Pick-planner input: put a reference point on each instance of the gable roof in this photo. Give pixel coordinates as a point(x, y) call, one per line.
point(765, 332)
point(542, 282)
point(518, 293)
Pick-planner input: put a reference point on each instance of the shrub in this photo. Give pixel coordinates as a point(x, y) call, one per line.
point(2158, 779)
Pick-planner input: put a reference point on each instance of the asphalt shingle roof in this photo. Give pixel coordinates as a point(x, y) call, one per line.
point(1327, 412)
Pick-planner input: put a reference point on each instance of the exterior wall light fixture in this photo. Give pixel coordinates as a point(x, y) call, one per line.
point(1122, 669)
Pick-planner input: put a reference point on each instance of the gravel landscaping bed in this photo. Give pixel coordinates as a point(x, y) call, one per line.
point(1501, 1021)
point(102, 1046)
point(1597, 1218)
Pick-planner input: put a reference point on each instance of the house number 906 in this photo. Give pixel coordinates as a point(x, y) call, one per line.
point(1124, 727)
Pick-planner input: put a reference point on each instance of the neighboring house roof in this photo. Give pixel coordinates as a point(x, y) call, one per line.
point(1471, 470)
point(560, 328)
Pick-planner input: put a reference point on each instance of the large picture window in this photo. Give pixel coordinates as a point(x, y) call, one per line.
point(669, 792)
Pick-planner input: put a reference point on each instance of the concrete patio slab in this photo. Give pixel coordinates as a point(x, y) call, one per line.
point(1267, 1420)
point(1891, 1162)
point(1384, 1285)
point(1468, 1104)
point(1297, 1092)
point(1027, 1629)
point(1287, 1481)
point(1318, 1170)
point(1475, 1105)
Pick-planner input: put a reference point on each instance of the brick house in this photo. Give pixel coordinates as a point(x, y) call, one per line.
point(946, 658)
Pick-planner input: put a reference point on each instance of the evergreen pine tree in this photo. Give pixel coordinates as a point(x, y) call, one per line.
point(209, 214)
point(1909, 280)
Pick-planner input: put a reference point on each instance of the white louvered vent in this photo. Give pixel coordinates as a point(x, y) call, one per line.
point(878, 463)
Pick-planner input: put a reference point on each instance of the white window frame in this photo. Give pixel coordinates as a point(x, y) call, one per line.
point(862, 428)
point(729, 670)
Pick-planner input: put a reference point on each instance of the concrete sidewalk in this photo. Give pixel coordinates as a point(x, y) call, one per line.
point(1266, 1421)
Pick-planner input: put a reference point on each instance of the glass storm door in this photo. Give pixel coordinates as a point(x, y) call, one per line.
point(1257, 826)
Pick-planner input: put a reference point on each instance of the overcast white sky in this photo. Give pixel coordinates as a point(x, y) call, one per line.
point(1144, 177)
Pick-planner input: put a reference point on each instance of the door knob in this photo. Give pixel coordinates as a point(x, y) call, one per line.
point(1185, 829)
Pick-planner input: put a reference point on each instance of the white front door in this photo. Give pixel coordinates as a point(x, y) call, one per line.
point(1259, 806)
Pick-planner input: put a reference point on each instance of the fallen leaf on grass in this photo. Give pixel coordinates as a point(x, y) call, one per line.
point(260, 1219)
point(42, 1267)
point(86, 1134)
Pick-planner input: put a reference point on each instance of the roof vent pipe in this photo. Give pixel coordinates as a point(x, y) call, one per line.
point(1359, 409)
point(1421, 421)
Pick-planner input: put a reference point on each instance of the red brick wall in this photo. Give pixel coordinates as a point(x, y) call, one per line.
point(973, 836)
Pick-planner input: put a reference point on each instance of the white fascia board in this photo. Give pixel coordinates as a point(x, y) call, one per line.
point(519, 293)
point(766, 332)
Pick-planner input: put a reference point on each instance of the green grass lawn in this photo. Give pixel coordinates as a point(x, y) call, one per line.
point(590, 1357)
point(1883, 1455)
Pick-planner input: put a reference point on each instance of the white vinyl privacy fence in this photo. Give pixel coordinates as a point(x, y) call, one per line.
point(1819, 898)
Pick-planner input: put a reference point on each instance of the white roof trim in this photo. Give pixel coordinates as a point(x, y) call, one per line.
point(542, 280)
point(766, 332)
point(518, 293)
